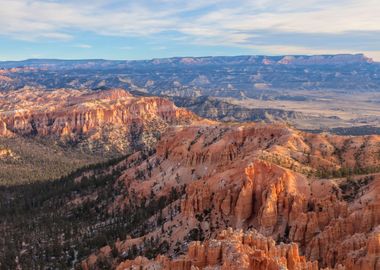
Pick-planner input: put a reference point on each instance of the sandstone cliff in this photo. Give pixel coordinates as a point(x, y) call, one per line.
point(107, 120)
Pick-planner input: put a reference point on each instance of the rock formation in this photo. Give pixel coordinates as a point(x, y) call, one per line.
point(108, 119)
point(294, 200)
point(262, 177)
point(231, 250)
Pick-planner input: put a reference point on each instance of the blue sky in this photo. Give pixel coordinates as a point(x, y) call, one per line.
point(117, 29)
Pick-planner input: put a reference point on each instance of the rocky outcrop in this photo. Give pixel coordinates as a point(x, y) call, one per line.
point(346, 234)
point(6, 154)
point(231, 250)
point(4, 132)
point(244, 203)
point(112, 118)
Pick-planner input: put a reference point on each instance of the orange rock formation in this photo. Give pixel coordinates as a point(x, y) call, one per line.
point(231, 250)
point(262, 177)
point(258, 179)
point(111, 117)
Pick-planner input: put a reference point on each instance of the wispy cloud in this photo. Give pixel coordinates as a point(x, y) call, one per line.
point(243, 23)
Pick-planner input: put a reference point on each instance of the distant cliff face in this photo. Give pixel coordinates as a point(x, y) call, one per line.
point(340, 59)
point(108, 119)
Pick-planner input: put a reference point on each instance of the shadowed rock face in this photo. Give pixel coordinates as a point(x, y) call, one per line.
point(233, 178)
point(111, 119)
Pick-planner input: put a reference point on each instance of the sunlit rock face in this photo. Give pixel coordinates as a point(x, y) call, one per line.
point(112, 119)
point(260, 181)
point(231, 250)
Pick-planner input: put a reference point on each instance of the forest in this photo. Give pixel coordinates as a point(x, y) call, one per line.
point(42, 229)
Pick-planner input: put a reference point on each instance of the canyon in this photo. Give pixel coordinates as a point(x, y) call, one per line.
point(141, 182)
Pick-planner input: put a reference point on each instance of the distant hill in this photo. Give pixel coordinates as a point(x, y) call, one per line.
point(189, 61)
point(223, 76)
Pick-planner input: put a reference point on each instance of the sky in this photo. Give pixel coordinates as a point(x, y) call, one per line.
point(145, 29)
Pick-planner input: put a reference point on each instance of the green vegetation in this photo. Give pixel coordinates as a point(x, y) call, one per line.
point(196, 234)
point(35, 160)
point(345, 172)
point(56, 224)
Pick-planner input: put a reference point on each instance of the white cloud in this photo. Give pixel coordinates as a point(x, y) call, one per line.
point(144, 17)
point(231, 23)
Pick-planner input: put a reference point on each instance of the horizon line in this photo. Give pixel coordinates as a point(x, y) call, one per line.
point(174, 57)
